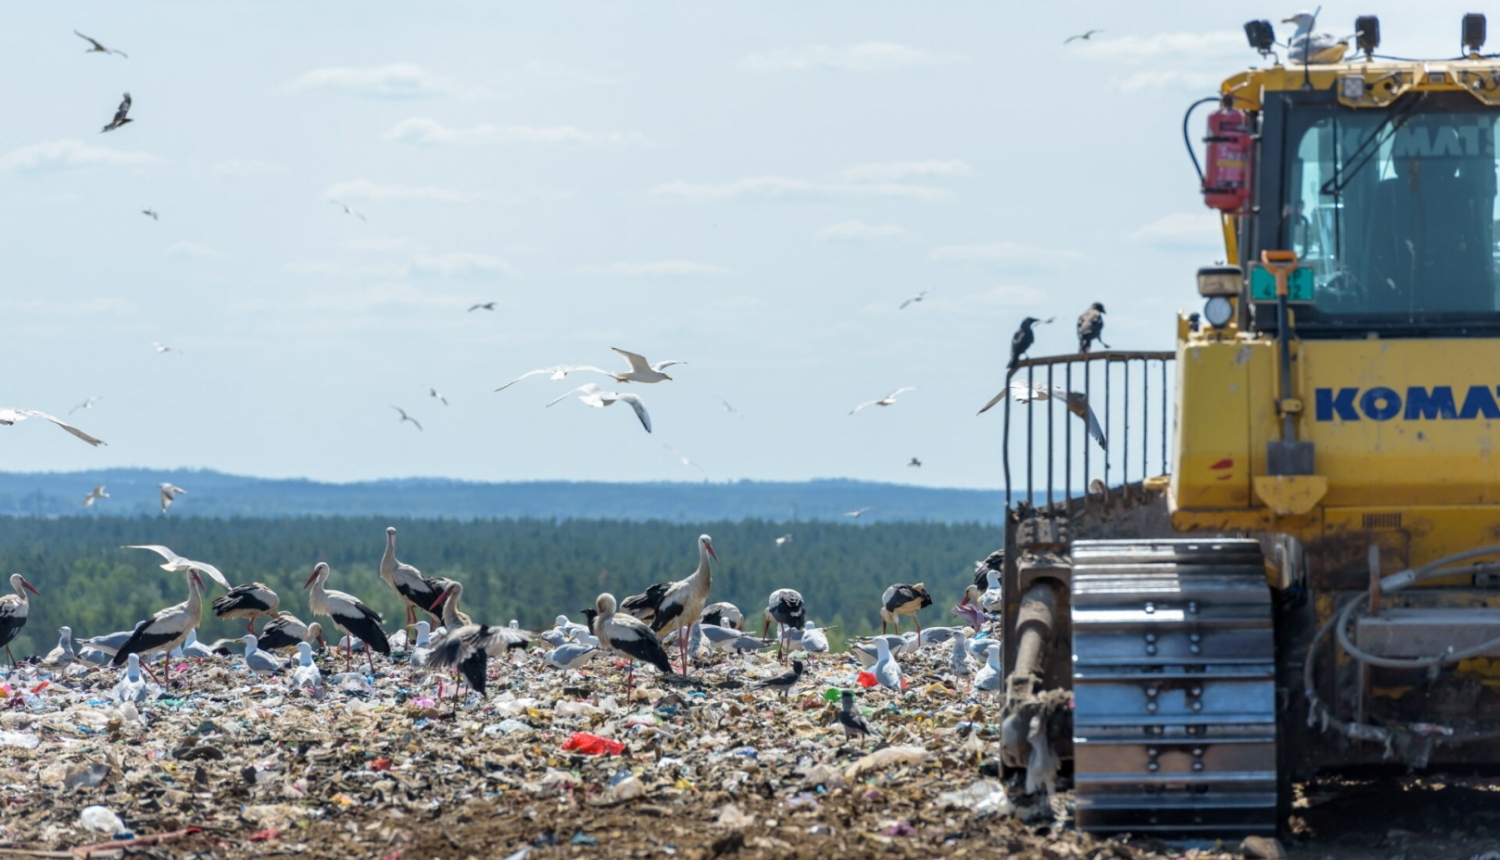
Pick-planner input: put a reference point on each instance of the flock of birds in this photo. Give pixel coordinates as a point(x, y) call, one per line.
point(640, 628)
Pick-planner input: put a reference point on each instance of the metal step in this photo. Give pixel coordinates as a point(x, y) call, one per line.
point(1174, 718)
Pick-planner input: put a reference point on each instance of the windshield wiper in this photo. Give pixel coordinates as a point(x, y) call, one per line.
point(1370, 146)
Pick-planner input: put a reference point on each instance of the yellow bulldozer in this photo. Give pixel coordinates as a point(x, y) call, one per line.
point(1281, 557)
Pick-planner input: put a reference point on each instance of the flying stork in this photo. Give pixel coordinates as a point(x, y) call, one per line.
point(13, 611)
point(675, 606)
point(627, 635)
point(252, 601)
point(348, 614)
point(166, 629)
point(468, 648)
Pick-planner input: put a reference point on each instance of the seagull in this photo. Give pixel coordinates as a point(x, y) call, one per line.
point(95, 495)
point(98, 48)
point(169, 493)
point(915, 462)
point(1307, 47)
point(814, 640)
point(10, 415)
point(916, 298)
point(405, 417)
point(1077, 402)
point(683, 457)
point(783, 540)
point(434, 393)
point(152, 213)
point(347, 210)
point(176, 563)
point(63, 654)
point(988, 676)
point(261, 662)
point(594, 396)
point(87, 404)
point(884, 401)
point(1084, 36)
point(886, 670)
point(857, 514)
point(1091, 327)
point(307, 674)
point(489, 306)
point(570, 655)
point(642, 370)
point(958, 661)
point(727, 408)
point(556, 371)
point(120, 116)
point(132, 687)
point(161, 347)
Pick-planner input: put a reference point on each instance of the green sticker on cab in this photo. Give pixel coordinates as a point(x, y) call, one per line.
point(1299, 285)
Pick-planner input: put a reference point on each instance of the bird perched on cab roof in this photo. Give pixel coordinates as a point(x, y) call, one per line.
point(1091, 327)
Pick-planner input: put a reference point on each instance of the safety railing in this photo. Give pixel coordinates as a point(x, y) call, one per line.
point(1123, 397)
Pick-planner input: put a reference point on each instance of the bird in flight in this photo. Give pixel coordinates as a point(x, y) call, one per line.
point(152, 213)
point(598, 398)
point(120, 116)
point(1077, 403)
point(783, 540)
point(95, 495)
point(348, 211)
point(915, 462)
point(683, 457)
point(556, 371)
point(87, 404)
point(916, 298)
point(434, 393)
point(169, 494)
point(1084, 36)
point(98, 48)
point(857, 514)
point(727, 408)
point(10, 415)
point(640, 369)
point(405, 417)
point(161, 347)
point(884, 401)
point(489, 306)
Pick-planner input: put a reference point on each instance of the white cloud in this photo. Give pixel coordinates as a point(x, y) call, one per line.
point(858, 231)
point(188, 249)
point(663, 267)
point(1183, 231)
point(394, 81)
point(429, 131)
point(460, 265)
point(1219, 44)
point(364, 189)
point(786, 187)
point(1167, 79)
point(1004, 252)
point(66, 154)
point(868, 57)
point(236, 167)
point(313, 268)
point(896, 170)
point(376, 243)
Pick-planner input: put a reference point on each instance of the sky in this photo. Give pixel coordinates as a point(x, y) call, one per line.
point(750, 187)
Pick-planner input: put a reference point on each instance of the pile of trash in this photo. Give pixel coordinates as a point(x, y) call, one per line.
point(548, 763)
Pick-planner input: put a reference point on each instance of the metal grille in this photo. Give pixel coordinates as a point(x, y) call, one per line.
point(1133, 389)
point(1383, 521)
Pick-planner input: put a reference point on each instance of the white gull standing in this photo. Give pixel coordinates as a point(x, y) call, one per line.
point(886, 670)
point(306, 675)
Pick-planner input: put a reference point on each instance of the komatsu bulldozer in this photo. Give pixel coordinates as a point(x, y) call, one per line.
point(1281, 557)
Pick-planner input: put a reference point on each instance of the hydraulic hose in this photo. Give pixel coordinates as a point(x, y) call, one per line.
point(1187, 141)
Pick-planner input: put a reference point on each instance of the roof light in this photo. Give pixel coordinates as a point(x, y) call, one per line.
point(1367, 34)
point(1260, 35)
point(1473, 32)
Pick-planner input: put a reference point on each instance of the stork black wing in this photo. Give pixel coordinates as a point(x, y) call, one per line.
point(645, 605)
point(10, 626)
point(142, 640)
point(123, 110)
point(474, 668)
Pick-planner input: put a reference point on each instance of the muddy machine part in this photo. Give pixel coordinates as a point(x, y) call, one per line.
point(1174, 721)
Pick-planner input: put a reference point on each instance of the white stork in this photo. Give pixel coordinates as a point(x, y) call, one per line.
point(624, 634)
point(252, 601)
point(724, 614)
point(676, 606)
point(348, 614)
point(902, 599)
point(166, 629)
point(287, 631)
point(14, 610)
point(468, 649)
point(785, 607)
point(418, 591)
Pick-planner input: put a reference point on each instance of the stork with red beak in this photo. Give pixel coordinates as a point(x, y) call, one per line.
point(348, 614)
point(13, 611)
point(674, 607)
point(166, 629)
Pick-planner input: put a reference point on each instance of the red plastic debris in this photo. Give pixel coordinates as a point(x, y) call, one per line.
point(380, 764)
point(40, 687)
point(590, 744)
point(265, 835)
point(866, 680)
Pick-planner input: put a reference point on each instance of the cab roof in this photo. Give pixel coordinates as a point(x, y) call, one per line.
point(1369, 84)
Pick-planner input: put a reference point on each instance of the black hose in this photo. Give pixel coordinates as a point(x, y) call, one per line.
point(1188, 141)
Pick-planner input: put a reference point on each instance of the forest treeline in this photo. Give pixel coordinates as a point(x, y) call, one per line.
point(530, 570)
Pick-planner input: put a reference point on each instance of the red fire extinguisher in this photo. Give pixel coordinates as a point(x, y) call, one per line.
point(1226, 180)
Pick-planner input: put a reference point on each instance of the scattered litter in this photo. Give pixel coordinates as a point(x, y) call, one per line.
point(985, 797)
point(590, 744)
point(101, 819)
point(886, 759)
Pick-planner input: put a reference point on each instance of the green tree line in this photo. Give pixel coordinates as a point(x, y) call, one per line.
point(527, 569)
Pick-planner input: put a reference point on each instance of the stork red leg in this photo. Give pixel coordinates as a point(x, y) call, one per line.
point(348, 653)
point(371, 656)
point(250, 626)
point(11, 656)
point(166, 670)
point(147, 667)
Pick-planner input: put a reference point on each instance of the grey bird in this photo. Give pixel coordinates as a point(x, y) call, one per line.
point(120, 116)
point(853, 721)
point(1084, 36)
point(783, 683)
point(152, 214)
point(489, 306)
point(1091, 327)
point(405, 417)
point(98, 48)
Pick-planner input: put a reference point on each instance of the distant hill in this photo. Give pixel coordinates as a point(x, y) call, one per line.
point(215, 494)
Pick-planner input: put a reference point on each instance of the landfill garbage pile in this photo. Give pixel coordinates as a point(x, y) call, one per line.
point(548, 762)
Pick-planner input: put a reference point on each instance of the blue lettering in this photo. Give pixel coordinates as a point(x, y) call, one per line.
point(1479, 401)
point(1381, 404)
point(1328, 404)
point(1438, 404)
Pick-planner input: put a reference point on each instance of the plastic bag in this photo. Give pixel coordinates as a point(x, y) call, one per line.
point(590, 744)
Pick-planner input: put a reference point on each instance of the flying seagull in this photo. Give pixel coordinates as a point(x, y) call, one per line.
point(161, 347)
point(884, 401)
point(87, 404)
point(169, 493)
point(857, 514)
point(1084, 36)
point(915, 462)
point(95, 495)
point(916, 298)
point(489, 306)
point(98, 48)
point(556, 371)
point(347, 210)
point(727, 408)
point(683, 457)
point(120, 116)
point(1077, 402)
point(596, 397)
point(152, 213)
point(783, 540)
point(434, 392)
point(640, 369)
point(405, 417)
point(10, 415)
